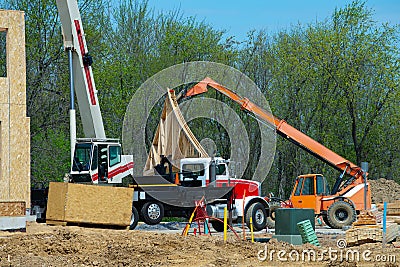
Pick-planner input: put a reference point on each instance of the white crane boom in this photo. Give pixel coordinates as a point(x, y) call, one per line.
point(82, 79)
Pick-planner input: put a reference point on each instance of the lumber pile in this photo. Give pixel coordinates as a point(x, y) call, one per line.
point(393, 219)
point(365, 218)
point(361, 234)
point(392, 209)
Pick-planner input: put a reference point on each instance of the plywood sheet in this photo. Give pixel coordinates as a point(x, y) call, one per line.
point(3, 18)
point(56, 201)
point(14, 124)
point(16, 57)
point(12, 208)
point(19, 153)
point(92, 204)
point(4, 90)
point(99, 204)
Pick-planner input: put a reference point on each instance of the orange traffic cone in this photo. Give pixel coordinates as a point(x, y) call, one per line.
point(177, 182)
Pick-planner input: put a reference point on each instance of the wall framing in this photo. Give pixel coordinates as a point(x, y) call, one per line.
point(14, 123)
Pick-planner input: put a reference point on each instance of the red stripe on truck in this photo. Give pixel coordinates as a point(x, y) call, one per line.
point(120, 169)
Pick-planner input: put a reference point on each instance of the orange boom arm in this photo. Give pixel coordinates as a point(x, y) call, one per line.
point(283, 129)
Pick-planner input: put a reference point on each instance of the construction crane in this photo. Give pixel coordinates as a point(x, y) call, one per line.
point(95, 158)
point(339, 206)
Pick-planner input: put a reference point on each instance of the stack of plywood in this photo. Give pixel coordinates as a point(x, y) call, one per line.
point(365, 218)
point(89, 204)
point(392, 211)
point(371, 233)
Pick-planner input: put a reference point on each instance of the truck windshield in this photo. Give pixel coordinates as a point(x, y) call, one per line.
point(221, 169)
point(82, 157)
point(196, 169)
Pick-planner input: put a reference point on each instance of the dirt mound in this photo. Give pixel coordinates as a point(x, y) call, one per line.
point(44, 245)
point(78, 246)
point(384, 190)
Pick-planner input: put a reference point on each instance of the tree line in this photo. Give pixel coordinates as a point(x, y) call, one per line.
point(337, 80)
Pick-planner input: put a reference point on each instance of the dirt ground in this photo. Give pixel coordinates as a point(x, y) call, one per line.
point(43, 245)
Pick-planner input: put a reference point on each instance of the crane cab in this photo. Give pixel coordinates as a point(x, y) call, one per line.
point(100, 161)
point(308, 191)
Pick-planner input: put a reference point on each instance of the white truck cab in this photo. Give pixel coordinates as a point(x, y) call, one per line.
point(100, 161)
point(198, 169)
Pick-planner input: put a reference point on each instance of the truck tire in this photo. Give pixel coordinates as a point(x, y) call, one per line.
point(341, 214)
point(218, 226)
point(273, 206)
point(134, 218)
point(259, 215)
point(152, 212)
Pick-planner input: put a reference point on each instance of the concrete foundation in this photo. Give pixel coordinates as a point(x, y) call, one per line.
point(12, 223)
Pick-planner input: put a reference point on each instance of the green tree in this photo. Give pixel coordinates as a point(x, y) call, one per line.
point(337, 81)
point(47, 86)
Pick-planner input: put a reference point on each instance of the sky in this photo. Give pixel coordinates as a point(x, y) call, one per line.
point(239, 17)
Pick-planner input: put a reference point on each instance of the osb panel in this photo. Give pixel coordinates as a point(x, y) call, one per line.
point(11, 208)
point(4, 18)
point(4, 154)
point(4, 90)
point(16, 68)
point(14, 136)
point(56, 201)
point(19, 153)
point(4, 113)
point(99, 204)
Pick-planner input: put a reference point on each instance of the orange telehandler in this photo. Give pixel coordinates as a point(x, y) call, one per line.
point(339, 206)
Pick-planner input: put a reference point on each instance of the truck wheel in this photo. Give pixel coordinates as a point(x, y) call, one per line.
point(258, 213)
point(152, 212)
point(218, 226)
point(134, 218)
point(341, 214)
point(273, 206)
